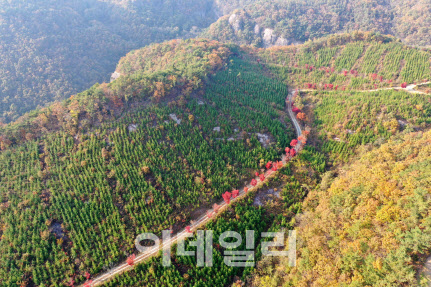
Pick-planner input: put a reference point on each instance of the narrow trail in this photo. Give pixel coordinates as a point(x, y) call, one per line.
point(409, 89)
point(426, 271)
point(203, 219)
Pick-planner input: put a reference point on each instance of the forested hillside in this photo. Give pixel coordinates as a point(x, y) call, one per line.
point(356, 61)
point(335, 74)
point(240, 216)
point(140, 154)
point(282, 22)
point(188, 120)
point(346, 120)
point(104, 102)
point(372, 131)
point(367, 225)
point(52, 49)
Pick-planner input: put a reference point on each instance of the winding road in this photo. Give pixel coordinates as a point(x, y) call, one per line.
point(292, 114)
point(203, 219)
point(409, 89)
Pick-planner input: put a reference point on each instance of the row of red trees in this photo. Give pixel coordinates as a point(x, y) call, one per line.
point(374, 77)
point(227, 196)
point(353, 72)
point(330, 87)
point(325, 87)
point(270, 166)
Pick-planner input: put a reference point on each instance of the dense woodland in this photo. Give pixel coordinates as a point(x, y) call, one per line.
point(293, 21)
point(368, 225)
point(53, 49)
point(87, 190)
point(188, 120)
point(105, 102)
point(240, 216)
point(365, 223)
point(356, 61)
point(379, 134)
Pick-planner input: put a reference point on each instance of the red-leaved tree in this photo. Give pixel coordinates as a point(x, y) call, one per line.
point(131, 260)
point(296, 110)
point(268, 165)
point(227, 196)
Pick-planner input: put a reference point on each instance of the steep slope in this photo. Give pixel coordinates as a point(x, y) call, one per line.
point(354, 61)
point(186, 121)
point(284, 22)
point(345, 120)
point(104, 102)
point(411, 21)
point(52, 49)
point(340, 122)
point(367, 226)
point(367, 222)
point(141, 154)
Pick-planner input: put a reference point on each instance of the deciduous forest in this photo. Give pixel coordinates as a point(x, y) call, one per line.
point(53, 49)
point(330, 138)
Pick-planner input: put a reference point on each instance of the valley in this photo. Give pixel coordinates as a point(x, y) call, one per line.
point(334, 133)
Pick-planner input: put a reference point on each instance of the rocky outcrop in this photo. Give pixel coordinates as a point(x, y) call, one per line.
point(235, 22)
point(241, 28)
point(270, 38)
point(281, 42)
point(257, 30)
point(115, 76)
